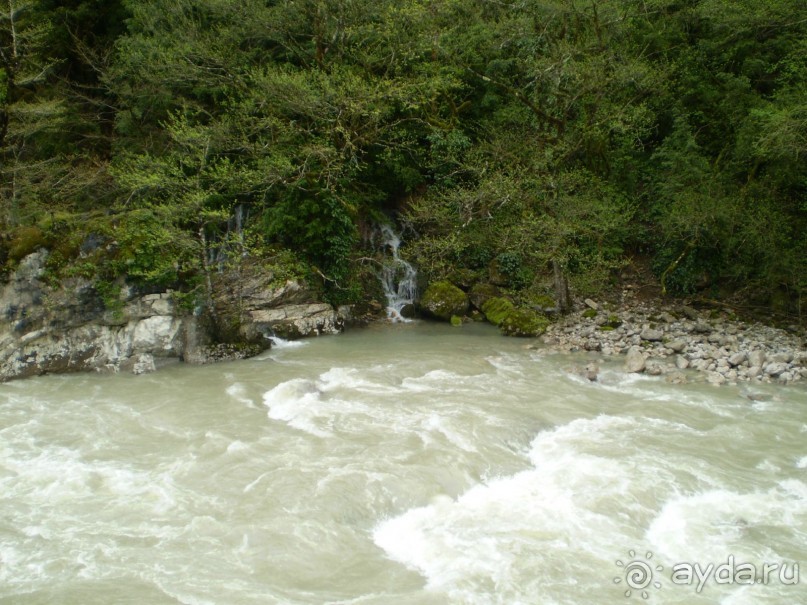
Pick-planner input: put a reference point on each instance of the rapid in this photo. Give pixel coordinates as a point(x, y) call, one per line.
point(409, 463)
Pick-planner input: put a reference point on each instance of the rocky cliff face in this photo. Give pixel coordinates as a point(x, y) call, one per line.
point(49, 330)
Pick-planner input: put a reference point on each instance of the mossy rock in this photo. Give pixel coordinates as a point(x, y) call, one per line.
point(463, 278)
point(443, 299)
point(456, 321)
point(613, 322)
point(482, 293)
point(606, 328)
point(496, 309)
point(590, 313)
point(25, 241)
point(541, 301)
point(524, 322)
point(476, 315)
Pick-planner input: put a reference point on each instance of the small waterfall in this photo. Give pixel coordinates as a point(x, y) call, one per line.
point(398, 277)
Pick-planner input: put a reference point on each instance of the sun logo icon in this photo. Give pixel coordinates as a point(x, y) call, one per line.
point(638, 574)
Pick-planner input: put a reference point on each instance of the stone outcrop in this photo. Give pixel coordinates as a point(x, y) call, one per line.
point(69, 328)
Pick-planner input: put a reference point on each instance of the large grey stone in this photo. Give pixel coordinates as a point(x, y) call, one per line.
point(635, 361)
point(756, 358)
point(651, 335)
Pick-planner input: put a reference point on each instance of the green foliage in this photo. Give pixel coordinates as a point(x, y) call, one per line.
point(534, 136)
point(150, 252)
point(319, 227)
point(110, 291)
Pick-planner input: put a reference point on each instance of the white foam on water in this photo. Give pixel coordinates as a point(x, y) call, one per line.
point(510, 364)
point(505, 532)
point(708, 526)
point(802, 462)
point(282, 343)
point(298, 403)
point(351, 379)
point(768, 467)
point(442, 425)
point(239, 393)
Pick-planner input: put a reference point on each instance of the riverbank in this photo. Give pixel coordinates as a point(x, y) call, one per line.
point(658, 338)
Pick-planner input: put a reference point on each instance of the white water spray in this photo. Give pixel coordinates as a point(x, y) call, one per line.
point(398, 277)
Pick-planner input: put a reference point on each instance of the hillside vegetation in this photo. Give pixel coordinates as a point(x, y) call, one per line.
point(527, 142)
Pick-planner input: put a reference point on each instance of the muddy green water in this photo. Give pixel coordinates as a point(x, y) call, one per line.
point(402, 464)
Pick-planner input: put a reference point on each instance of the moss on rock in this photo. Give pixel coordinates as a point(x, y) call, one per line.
point(443, 299)
point(456, 321)
point(24, 241)
point(524, 322)
point(512, 320)
point(590, 313)
point(482, 293)
point(496, 309)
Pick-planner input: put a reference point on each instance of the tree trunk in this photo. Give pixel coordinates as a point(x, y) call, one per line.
point(561, 288)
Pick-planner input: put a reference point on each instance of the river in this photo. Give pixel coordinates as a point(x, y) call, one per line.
point(400, 464)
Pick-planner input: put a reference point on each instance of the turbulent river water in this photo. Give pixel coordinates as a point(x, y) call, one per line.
point(402, 464)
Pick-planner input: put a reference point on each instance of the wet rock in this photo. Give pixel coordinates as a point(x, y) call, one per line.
point(759, 396)
point(592, 371)
point(681, 362)
point(635, 361)
point(592, 344)
point(144, 364)
point(654, 368)
point(676, 378)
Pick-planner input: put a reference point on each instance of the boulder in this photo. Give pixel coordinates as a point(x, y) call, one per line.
point(756, 358)
point(737, 359)
point(651, 335)
point(776, 368)
point(497, 309)
point(482, 293)
point(635, 361)
point(443, 299)
point(523, 322)
point(677, 345)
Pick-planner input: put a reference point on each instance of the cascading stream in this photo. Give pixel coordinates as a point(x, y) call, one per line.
point(398, 277)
